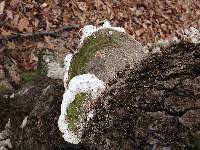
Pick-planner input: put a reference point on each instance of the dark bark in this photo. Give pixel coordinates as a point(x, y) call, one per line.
point(154, 106)
point(41, 103)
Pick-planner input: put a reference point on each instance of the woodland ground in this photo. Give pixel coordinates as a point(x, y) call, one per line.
point(148, 21)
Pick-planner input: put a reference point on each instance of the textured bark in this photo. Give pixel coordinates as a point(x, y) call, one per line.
point(105, 53)
point(152, 101)
point(154, 106)
point(40, 101)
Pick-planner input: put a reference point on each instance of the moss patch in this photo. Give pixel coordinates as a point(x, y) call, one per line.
point(3, 88)
point(91, 46)
point(74, 110)
point(32, 76)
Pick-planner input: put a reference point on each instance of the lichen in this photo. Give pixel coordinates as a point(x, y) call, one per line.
point(90, 47)
point(74, 111)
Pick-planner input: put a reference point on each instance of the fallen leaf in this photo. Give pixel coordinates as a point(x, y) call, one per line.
point(2, 6)
point(48, 25)
point(40, 44)
point(23, 24)
point(82, 19)
point(15, 20)
point(97, 3)
point(4, 32)
point(14, 3)
point(82, 6)
point(46, 39)
point(11, 45)
point(43, 5)
point(36, 23)
point(139, 32)
point(9, 14)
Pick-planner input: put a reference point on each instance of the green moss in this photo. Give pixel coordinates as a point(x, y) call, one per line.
point(79, 62)
point(89, 49)
point(3, 88)
point(73, 111)
point(29, 76)
point(32, 76)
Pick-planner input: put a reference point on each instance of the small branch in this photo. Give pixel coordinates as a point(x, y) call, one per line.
point(42, 33)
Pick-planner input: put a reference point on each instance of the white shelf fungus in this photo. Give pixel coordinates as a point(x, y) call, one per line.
point(88, 30)
point(86, 83)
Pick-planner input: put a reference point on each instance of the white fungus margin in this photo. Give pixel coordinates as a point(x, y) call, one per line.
point(88, 30)
point(67, 62)
point(85, 83)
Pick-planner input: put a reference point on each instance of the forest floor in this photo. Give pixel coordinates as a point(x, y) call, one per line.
point(147, 21)
point(29, 27)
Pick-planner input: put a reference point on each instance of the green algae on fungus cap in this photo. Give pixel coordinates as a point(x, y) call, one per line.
point(73, 112)
point(106, 52)
point(72, 101)
point(102, 53)
point(88, 50)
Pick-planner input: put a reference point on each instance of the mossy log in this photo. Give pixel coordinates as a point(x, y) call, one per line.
point(151, 101)
point(103, 54)
point(154, 106)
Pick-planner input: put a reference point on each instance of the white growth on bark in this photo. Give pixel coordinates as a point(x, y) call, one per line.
point(193, 34)
point(88, 30)
point(67, 62)
point(55, 70)
point(24, 122)
point(85, 83)
point(4, 137)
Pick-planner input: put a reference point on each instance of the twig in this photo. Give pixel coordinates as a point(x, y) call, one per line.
point(42, 33)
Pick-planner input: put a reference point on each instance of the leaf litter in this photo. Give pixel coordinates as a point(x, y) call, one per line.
point(147, 21)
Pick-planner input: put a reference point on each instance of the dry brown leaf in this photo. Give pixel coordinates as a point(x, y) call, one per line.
point(139, 32)
point(82, 6)
point(44, 5)
point(15, 20)
point(2, 6)
point(82, 19)
point(4, 32)
point(23, 24)
point(11, 45)
point(9, 14)
point(14, 3)
point(46, 39)
point(36, 23)
point(40, 44)
point(98, 3)
point(56, 1)
point(48, 25)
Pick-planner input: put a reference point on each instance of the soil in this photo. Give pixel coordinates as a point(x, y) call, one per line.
point(156, 105)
